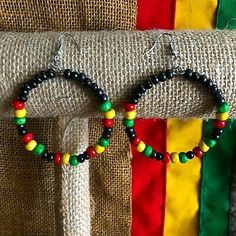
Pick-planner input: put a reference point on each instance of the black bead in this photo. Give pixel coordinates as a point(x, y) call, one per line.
point(195, 76)
point(141, 89)
point(188, 74)
point(51, 73)
point(86, 156)
point(220, 100)
point(82, 77)
point(38, 80)
point(24, 92)
point(74, 75)
point(133, 100)
point(148, 84)
point(203, 79)
point(154, 154)
point(214, 88)
point(159, 156)
point(218, 93)
point(50, 157)
point(26, 86)
point(216, 134)
point(99, 92)
point(130, 132)
point(155, 79)
point(169, 74)
point(209, 83)
point(67, 73)
point(103, 97)
point(94, 87)
point(137, 94)
point(107, 133)
point(22, 98)
point(162, 77)
point(33, 84)
point(43, 75)
point(21, 129)
point(87, 82)
point(81, 158)
point(190, 155)
point(44, 154)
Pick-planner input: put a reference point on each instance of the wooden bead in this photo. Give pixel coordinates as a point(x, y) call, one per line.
point(73, 160)
point(174, 157)
point(166, 158)
point(39, 149)
point(129, 107)
point(20, 121)
point(222, 116)
point(198, 152)
point(136, 140)
point(91, 152)
point(103, 142)
point(105, 106)
point(219, 124)
point(20, 113)
point(99, 149)
point(31, 145)
point(65, 158)
point(130, 115)
point(128, 123)
point(210, 142)
point(224, 107)
point(141, 146)
point(147, 151)
point(108, 123)
point(203, 146)
point(57, 159)
point(27, 137)
point(110, 114)
point(18, 105)
point(183, 158)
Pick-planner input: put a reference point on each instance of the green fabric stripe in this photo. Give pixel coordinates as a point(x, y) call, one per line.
point(226, 14)
point(217, 168)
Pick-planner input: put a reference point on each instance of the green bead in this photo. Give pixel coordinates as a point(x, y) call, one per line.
point(103, 142)
point(74, 160)
point(20, 121)
point(106, 106)
point(128, 123)
point(224, 107)
point(147, 151)
point(210, 142)
point(38, 150)
point(182, 157)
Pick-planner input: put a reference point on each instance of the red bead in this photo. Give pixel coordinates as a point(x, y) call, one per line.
point(57, 159)
point(198, 152)
point(91, 152)
point(166, 158)
point(136, 141)
point(129, 106)
point(18, 105)
point(219, 124)
point(108, 123)
point(27, 137)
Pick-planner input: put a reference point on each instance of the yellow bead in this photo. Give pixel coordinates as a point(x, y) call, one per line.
point(130, 115)
point(203, 146)
point(222, 116)
point(65, 158)
point(20, 113)
point(141, 146)
point(174, 157)
point(110, 114)
point(99, 149)
point(31, 145)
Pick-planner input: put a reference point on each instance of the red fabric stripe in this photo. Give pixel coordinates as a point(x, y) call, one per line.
point(155, 14)
point(148, 181)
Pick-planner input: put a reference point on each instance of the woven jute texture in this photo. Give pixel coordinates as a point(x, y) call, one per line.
point(60, 15)
point(110, 184)
point(29, 187)
point(75, 203)
point(118, 61)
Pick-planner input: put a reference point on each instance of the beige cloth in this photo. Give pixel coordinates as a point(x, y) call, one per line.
point(59, 15)
point(117, 61)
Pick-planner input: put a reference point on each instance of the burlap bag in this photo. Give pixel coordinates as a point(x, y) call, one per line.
point(117, 61)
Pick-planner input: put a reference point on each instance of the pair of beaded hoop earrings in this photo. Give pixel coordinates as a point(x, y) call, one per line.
point(105, 107)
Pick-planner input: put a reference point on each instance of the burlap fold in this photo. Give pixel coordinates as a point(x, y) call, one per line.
point(118, 61)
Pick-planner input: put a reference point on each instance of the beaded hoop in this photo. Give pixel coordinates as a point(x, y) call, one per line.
point(207, 142)
point(39, 149)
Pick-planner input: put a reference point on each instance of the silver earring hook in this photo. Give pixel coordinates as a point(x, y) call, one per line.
point(176, 58)
point(56, 61)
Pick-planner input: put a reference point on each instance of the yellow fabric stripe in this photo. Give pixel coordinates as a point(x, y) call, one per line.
point(183, 180)
point(195, 14)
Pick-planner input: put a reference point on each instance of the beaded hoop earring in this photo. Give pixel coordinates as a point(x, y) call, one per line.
point(39, 149)
point(219, 123)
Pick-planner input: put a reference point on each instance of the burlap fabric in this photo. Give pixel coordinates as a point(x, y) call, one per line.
point(67, 15)
point(117, 61)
